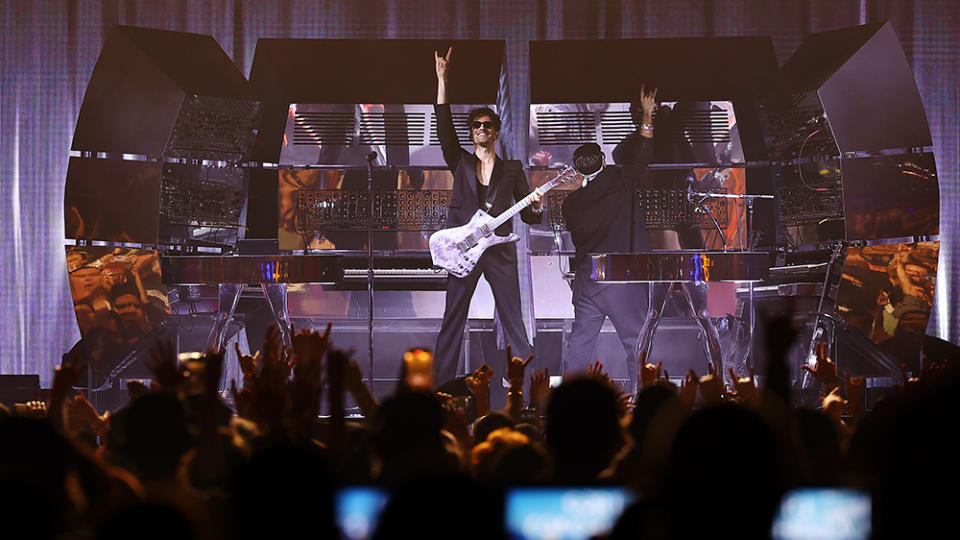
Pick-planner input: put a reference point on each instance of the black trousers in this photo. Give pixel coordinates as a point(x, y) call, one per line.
point(499, 265)
point(624, 303)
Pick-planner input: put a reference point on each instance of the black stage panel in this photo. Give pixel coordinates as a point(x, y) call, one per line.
point(611, 70)
point(356, 71)
point(146, 81)
point(866, 87)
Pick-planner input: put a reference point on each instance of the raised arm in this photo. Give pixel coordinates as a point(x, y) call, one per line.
point(442, 63)
point(449, 142)
point(636, 151)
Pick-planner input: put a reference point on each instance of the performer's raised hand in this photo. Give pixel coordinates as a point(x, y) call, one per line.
point(443, 63)
point(648, 102)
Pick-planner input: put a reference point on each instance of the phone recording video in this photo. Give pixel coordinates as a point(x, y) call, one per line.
point(358, 509)
point(563, 513)
point(823, 514)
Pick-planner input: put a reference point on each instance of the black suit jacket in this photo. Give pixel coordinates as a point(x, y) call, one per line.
point(599, 215)
point(508, 183)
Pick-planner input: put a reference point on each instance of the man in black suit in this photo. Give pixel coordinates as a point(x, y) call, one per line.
point(598, 216)
point(481, 180)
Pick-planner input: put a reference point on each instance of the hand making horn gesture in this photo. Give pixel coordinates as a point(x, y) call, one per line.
point(443, 63)
point(648, 101)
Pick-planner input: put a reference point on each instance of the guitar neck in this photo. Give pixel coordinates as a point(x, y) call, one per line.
point(524, 202)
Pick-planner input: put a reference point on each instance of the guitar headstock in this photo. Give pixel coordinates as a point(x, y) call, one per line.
point(566, 175)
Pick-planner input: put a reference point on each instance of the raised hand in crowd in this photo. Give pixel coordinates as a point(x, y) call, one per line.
point(688, 388)
point(934, 374)
point(306, 386)
point(309, 348)
point(826, 370)
point(664, 380)
point(856, 402)
point(63, 380)
point(744, 389)
point(907, 383)
point(209, 465)
point(539, 388)
point(168, 375)
point(455, 422)
point(353, 383)
point(516, 369)
point(338, 361)
point(137, 388)
point(249, 363)
point(79, 408)
point(649, 373)
point(711, 386)
point(595, 371)
point(833, 405)
point(263, 400)
point(780, 335)
point(31, 409)
point(478, 382)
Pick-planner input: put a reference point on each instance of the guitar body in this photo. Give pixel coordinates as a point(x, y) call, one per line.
point(458, 249)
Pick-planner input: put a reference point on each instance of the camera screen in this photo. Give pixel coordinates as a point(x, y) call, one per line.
point(358, 509)
point(563, 513)
point(825, 514)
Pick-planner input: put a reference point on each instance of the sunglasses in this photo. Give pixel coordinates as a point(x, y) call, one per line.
point(486, 125)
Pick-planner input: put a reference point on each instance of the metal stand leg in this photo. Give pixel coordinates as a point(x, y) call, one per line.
point(806, 380)
point(231, 365)
point(276, 296)
point(463, 365)
point(228, 295)
point(659, 292)
point(711, 338)
point(751, 327)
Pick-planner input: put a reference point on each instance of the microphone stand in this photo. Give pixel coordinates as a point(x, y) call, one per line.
point(370, 159)
point(692, 197)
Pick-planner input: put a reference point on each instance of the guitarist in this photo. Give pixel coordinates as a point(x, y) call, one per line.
point(599, 220)
point(481, 180)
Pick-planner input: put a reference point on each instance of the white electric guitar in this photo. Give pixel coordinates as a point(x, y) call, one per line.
point(458, 249)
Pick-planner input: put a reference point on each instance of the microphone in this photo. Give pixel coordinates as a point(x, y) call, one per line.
point(371, 156)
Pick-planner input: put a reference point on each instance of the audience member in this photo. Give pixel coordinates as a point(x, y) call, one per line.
point(703, 459)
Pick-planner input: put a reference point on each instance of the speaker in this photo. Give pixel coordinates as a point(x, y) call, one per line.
point(866, 87)
point(171, 94)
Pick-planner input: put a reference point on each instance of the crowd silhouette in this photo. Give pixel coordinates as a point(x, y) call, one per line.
point(701, 458)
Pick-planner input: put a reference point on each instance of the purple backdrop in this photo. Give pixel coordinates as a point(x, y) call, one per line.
point(49, 50)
